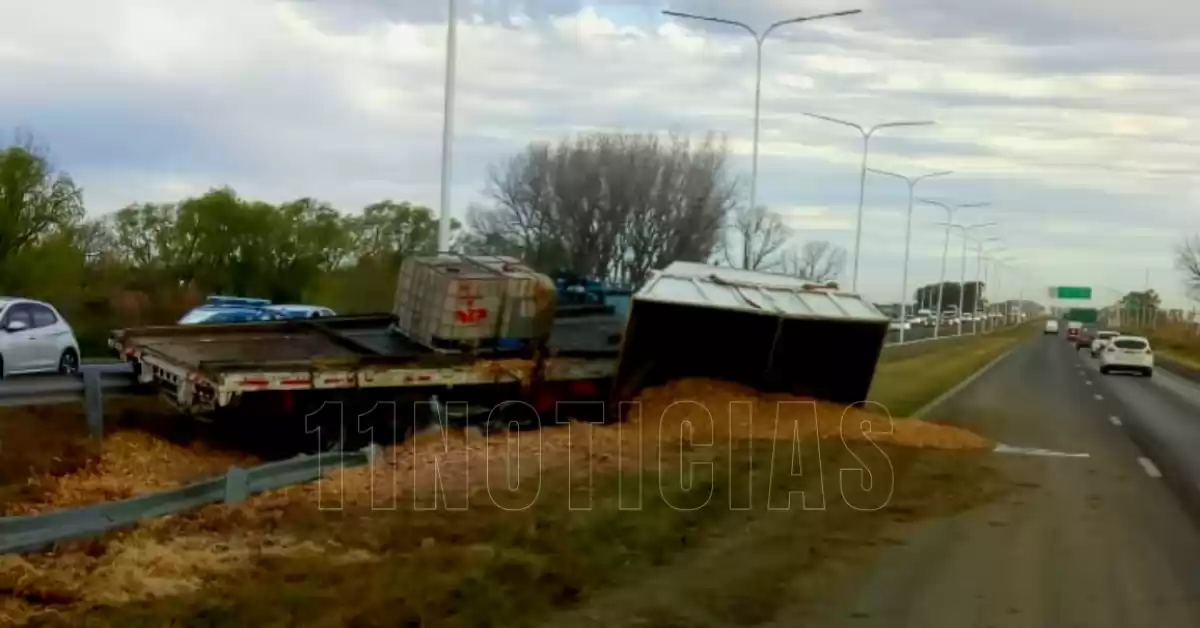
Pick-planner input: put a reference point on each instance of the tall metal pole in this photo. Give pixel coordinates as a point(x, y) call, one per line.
point(942, 282)
point(912, 184)
point(979, 265)
point(443, 242)
point(978, 288)
point(862, 180)
point(962, 282)
point(987, 321)
point(950, 209)
point(758, 43)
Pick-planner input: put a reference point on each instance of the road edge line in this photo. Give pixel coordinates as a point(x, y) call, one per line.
point(944, 397)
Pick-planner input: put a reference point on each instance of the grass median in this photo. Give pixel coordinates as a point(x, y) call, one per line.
point(906, 381)
point(710, 535)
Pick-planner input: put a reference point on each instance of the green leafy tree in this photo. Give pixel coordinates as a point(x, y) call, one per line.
point(36, 201)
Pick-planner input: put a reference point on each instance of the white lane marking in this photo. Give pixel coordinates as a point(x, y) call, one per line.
point(1087, 382)
point(1099, 397)
point(1115, 420)
point(1149, 468)
point(1001, 448)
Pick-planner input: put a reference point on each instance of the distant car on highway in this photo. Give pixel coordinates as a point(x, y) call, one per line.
point(1084, 339)
point(220, 309)
point(1101, 340)
point(1052, 326)
point(35, 338)
point(1073, 329)
point(1127, 353)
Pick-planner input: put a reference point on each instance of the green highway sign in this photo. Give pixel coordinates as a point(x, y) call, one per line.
point(1071, 292)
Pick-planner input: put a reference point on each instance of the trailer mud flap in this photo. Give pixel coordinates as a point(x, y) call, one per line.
point(832, 360)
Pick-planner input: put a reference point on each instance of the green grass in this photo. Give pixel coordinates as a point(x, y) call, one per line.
point(905, 383)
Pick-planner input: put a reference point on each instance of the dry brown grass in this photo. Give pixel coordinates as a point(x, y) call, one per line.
point(1176, 341)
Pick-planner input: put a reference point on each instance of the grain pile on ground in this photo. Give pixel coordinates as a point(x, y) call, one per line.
point(142, 565)
point(717, 411)
point(467, 461)
point(174, 555)
point(131, 463)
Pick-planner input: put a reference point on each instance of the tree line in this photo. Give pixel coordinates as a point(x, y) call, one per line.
point(604, 205)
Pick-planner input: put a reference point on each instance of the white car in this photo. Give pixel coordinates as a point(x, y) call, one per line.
point(1052, 326)
point(896, 325)
point(1102, 338)
point(1127, 353)
point(35, 338)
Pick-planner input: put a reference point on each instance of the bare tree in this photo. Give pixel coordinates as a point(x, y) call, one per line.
point(607, 205)
point(817, 260)
point(1187, 259)
point(755, 237)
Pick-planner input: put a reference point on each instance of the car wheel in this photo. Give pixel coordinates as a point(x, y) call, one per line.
point(68, 363)
point(1148, 372)
point(2, 374)
point(1104, 370)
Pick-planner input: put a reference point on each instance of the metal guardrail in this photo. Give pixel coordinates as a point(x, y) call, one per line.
point(90, 386)
point(28, 533)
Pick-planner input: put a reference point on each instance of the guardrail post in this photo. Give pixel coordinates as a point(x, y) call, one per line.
point(93, 402)
point(237, 485)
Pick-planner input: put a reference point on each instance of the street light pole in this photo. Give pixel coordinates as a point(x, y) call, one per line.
point(1006, 309)
point(443, 241)
point(962, 278)
point(950, 209)
point(912, 184)
point(979, 286)
point(862, 178)
point(758, 44)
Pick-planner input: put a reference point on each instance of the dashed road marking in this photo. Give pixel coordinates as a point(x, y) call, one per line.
point(1088, 382)
point(1149, 468)
point(1001, 448)
point(1099, 397)
point(1115, 420)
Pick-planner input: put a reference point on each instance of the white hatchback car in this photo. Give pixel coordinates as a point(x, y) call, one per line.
point(1101, 339)
point(1127, 353)
point(1052, 326)
point(35, 338)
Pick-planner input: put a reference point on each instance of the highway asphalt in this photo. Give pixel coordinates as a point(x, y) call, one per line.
point(1108, 540)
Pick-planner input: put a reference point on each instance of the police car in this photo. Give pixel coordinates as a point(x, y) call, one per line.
point(221, 309)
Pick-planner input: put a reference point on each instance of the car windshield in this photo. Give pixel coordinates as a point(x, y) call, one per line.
point(1130, 343)
point(197, 316)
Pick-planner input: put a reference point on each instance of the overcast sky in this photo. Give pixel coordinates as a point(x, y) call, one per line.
point(1071, 117)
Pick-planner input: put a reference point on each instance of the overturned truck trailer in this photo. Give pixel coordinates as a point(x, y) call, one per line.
point(772, 332)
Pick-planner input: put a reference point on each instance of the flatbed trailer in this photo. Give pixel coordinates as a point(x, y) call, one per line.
point(294, 368)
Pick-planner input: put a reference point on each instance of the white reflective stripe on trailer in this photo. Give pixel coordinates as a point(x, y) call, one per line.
point(250, 382)
point(449, 376)
point(480, 373)
point(568, 369)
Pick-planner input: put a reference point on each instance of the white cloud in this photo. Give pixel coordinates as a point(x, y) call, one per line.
point(142, 99)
